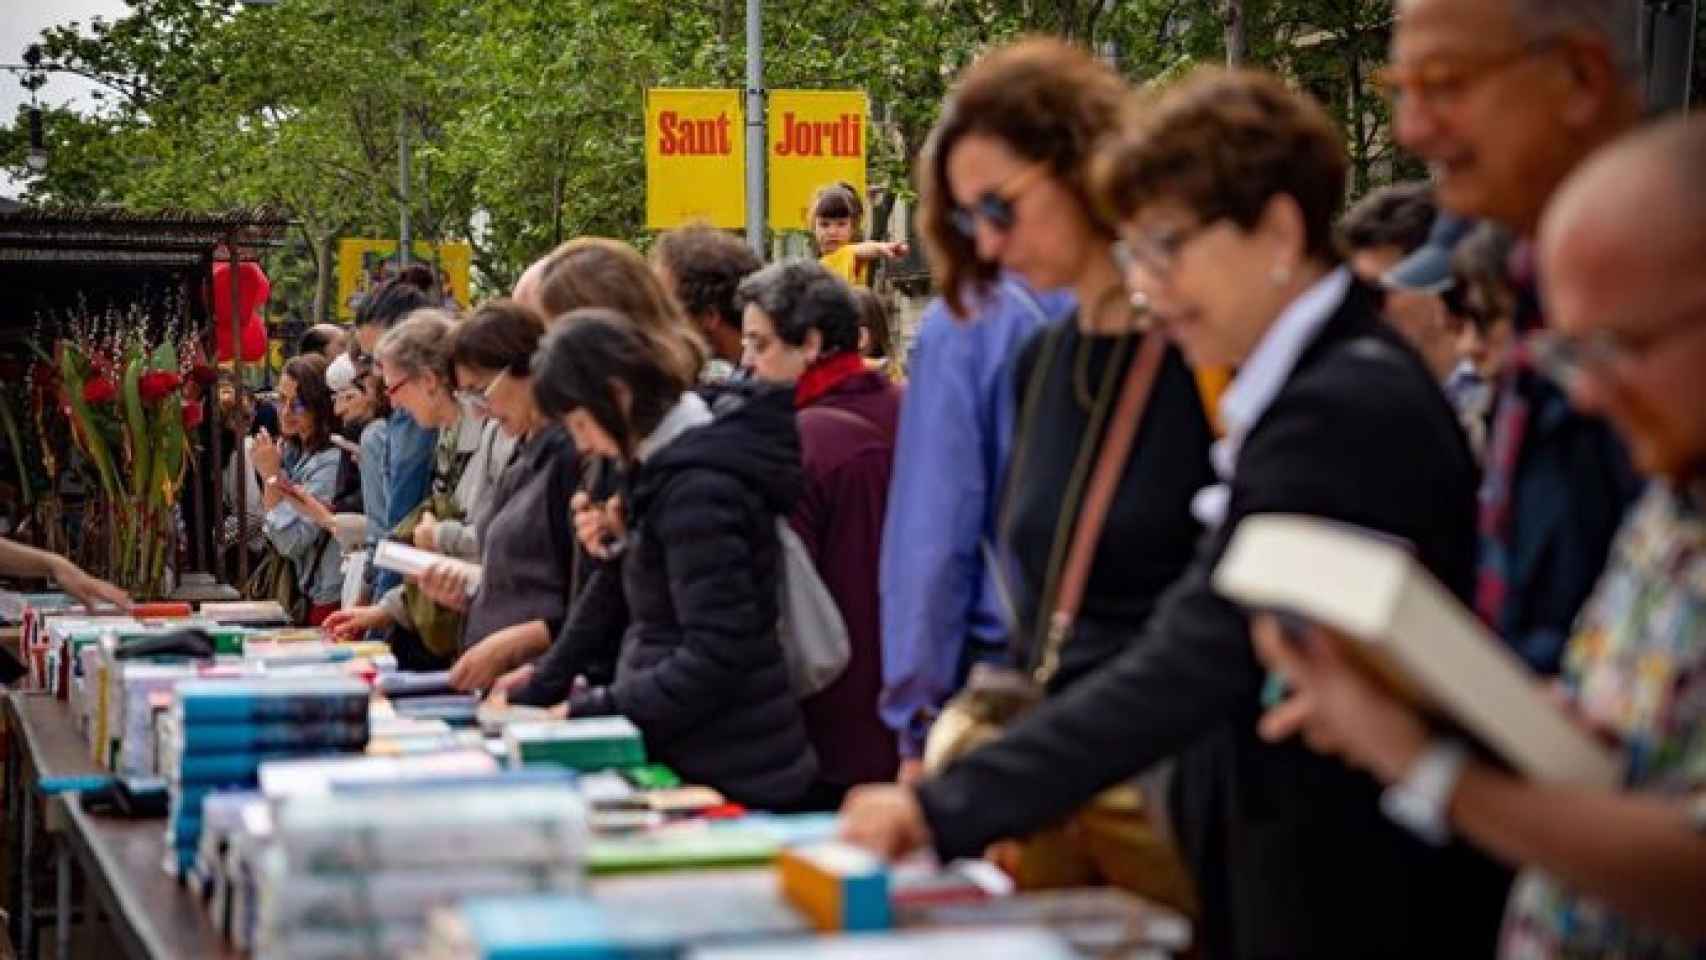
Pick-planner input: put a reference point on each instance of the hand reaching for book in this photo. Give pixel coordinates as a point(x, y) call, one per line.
point(352, 623)
point(1335, 707)
point(885, 819)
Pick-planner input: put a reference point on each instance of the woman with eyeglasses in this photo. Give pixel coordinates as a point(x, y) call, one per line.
point(1007, 188)
point(526, 539)
point(418, 377)
point(302, 475)
point(1225, 190)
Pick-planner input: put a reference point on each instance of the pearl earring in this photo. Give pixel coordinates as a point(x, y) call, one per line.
point(1279, 276)
point(1140, 302)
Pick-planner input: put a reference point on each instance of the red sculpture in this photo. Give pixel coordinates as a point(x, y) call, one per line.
point(252, 291)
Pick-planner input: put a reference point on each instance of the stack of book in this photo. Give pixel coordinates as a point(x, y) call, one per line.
point(593, 743)
point(219, 733)
point(357, 872)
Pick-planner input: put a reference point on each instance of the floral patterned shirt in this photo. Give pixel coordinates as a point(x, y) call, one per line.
point(1637, 664)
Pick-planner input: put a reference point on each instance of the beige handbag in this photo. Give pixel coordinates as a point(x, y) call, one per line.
point(1110, 840)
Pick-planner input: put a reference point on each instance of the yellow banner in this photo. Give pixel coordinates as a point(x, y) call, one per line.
point(817, 137)
point(695, 158)
point(365, 263)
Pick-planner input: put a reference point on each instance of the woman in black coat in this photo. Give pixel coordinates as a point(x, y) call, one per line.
point(700, 670)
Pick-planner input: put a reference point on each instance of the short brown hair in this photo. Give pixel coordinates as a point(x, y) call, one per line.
point(1222, 143)
point(1045, 100)
point(1399, 215)
point(600, 272)
point(707, 265)
point(501, 337)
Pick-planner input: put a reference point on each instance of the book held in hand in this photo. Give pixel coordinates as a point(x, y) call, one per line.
point(1413, 635)
point(412, 562)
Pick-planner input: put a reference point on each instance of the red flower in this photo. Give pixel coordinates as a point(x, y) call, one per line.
point(157, 384)
point(203, 374)
point(100, 390)
point(192, 414)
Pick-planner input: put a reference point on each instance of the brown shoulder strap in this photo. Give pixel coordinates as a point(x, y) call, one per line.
point(1093, 513)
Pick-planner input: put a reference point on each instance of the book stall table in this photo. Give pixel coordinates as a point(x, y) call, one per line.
point(127, 893)
point(44, 756)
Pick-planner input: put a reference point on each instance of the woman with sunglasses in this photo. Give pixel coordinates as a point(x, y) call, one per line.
point(301, 475)
point(1225, 191)
point(418, 377)
point(1007, 188)
point(527, 542)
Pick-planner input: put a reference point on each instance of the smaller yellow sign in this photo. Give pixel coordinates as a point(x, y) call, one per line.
point(817, 137)
point(364, 263)
point(695, 158)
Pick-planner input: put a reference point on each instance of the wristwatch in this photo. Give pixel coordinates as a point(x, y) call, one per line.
point(1421, 801)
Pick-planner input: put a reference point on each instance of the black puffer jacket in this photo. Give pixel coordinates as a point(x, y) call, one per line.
point(701, 671)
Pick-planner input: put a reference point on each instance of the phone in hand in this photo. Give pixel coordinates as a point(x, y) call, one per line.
point(288, 488)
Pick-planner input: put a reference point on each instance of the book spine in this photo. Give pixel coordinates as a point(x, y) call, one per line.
point(287, 709)
point(236, 737)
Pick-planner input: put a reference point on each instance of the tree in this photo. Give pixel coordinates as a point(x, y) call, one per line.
point(527, 115)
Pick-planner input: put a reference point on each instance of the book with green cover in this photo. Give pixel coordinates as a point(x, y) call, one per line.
point(681, 850)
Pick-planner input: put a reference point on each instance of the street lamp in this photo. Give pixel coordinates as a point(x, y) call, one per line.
point(36, 159)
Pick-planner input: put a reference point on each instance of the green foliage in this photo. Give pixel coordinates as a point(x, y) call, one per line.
point(528, 113)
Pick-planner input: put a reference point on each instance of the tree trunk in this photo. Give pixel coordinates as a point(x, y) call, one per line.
point(324, 284)
point(1237, 35)
point(1359, 124)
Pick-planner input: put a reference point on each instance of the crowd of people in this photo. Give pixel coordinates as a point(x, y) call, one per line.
point(1156, 321)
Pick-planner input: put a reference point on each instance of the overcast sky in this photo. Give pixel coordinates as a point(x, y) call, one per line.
point(21, 23)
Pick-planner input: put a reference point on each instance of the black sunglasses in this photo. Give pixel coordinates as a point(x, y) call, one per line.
point(995, 206)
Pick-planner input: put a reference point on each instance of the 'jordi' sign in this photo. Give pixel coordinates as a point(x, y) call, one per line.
point(817, 137)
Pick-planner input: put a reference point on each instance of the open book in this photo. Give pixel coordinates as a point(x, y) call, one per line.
point(411, 561)
point(1413, 635)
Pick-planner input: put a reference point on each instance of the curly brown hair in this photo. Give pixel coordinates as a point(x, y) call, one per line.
point(1222, 143)
point(600, 272)
point(1048, 102)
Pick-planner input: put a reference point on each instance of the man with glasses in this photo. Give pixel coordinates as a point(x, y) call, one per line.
point(1608, 873)
point(1504, 98)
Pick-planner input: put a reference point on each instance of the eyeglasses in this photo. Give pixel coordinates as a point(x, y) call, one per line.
point(1564, 359)
point(1441, 81)
point(480, 401)
point(1156, 251)
point(396, 388)
point(995, 206)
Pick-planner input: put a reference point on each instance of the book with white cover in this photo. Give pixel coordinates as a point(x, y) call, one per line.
point(411, 561)
point(1410, 631)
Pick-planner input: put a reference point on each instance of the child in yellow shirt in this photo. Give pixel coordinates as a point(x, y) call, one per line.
point(837, 215)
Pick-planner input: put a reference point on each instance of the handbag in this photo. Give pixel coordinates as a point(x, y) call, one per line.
point(439, 629)
point(274, 578)
point(812, 633)
point(1111, 838)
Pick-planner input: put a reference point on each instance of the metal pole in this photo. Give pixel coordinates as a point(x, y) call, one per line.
point(757, 145)
point(405, 242)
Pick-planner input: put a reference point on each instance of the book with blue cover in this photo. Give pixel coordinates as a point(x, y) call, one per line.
point(250, 737)
point(296, 700)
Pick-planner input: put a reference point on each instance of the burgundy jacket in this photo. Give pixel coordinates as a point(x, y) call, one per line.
point(847, 448)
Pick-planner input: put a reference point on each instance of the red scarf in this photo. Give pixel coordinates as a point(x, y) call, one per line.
point(825, 375)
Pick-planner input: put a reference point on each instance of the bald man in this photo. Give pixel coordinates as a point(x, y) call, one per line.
point(1608, 872)
point(1504, 98)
